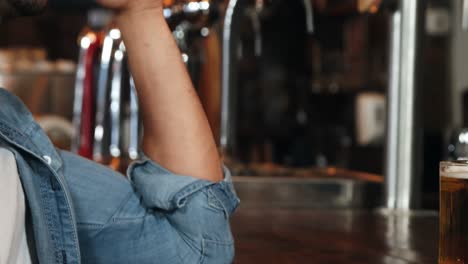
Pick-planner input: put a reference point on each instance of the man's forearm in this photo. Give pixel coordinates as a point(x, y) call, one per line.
point(177, 133)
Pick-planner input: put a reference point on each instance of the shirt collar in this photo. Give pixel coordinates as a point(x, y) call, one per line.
point(17, 126)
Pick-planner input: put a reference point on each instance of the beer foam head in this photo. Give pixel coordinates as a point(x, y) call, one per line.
point(454, 169)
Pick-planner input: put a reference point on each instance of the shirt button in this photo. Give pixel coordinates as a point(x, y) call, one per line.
point(48, 159)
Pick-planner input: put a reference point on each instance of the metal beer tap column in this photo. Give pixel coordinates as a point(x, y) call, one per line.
point(190, 21)
point(84, 103)
point(465, 15)
point(198, 12)
point(114, 93)
point(115, 143)
point(81, 142)
point(403, 149)
point(110, 45)
point(231, 27)
point(116, 107)
point(134, 131)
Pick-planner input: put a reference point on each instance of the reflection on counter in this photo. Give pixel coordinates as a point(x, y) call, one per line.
point(334, 236)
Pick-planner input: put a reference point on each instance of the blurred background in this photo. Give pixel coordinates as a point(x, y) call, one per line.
point(315, 104)
point(293, 89)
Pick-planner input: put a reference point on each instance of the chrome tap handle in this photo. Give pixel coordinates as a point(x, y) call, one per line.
point(180, 34)
point(111, 42)
point(309, 13)
point(197, 7)
point(231, 27)
point(465, 15)
point(79, 89)
point(205, 11)
point(116, 101)
point(134, 142)
point(83, 115)
point(253, 15)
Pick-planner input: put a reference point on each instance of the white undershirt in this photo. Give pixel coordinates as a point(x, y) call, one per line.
point(13, 244)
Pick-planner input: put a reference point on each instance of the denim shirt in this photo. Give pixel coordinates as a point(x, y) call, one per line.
point(82, 212)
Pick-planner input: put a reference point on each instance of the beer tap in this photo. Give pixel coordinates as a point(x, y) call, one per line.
point(111, 44)
point(134, 133)
point(195, 11)
point(231, 28)
point(465, 15)
point(309, 15)
point(254, 16)
point(197, 8)
point(83, 109)
point(116, 106)
point(83, 102)
point(190, 21)
point(180, 34)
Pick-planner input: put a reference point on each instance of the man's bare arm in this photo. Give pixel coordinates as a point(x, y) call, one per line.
point(177, 134)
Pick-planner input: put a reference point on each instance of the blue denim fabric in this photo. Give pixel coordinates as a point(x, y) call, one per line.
point(83, 212)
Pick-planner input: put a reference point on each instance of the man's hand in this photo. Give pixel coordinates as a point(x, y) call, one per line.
point(177, 134)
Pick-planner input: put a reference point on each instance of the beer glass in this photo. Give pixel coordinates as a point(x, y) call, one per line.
point(453, 240)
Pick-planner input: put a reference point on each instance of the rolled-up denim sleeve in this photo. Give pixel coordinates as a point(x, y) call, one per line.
point(167, 191)
point(198, 210)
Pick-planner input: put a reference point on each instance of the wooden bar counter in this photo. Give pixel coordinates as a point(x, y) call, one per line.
point(334, 236)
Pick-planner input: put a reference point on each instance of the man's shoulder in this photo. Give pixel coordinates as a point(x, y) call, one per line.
point(18, 127)
point(10, 100)
point(13, 113)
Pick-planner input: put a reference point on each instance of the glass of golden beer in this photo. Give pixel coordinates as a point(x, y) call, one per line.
point(453, 240)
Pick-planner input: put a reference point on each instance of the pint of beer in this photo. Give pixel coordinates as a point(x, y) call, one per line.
point(453, 240)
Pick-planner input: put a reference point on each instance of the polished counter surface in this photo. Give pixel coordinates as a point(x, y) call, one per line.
point(334, 236)
point(269, 186)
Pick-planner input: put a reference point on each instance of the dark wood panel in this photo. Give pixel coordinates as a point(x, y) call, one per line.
point(309, 236)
